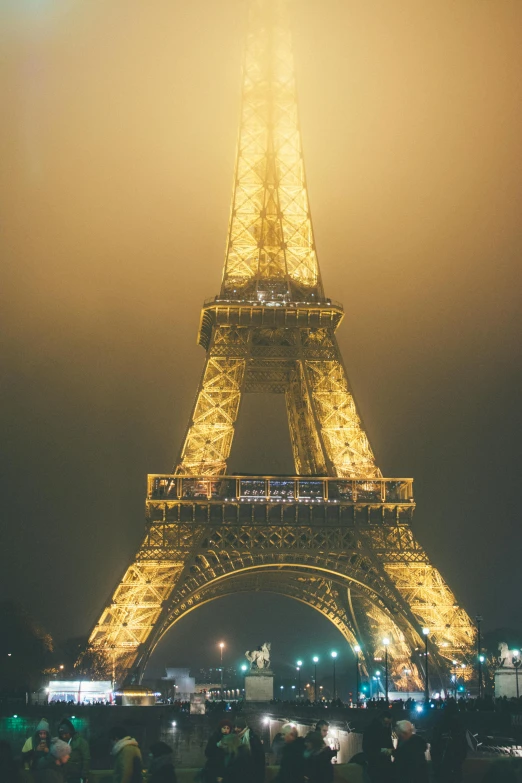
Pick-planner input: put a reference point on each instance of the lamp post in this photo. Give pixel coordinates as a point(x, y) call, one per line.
point(386, 643)
point(357, 650)
point(517, 661)
point(376, 678)
point(221, 645)
point(480, 657)
point(298, 667)
point(455, 663)
point(334, 656)
point(426, 632)
point(316, 661)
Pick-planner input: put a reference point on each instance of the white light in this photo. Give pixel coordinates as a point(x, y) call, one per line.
point(425, 631)
point(174, 723)
point(333, 654)
point(419, 708)
point(266, 720)
point(386, 641)
point(357, 648)
point(315, 659)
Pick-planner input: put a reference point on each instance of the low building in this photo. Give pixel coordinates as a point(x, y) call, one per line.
point(80, 691)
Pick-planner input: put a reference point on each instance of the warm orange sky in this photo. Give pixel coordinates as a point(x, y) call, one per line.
point(117, 149)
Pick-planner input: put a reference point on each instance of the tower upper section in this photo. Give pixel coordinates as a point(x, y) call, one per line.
point(270, 252)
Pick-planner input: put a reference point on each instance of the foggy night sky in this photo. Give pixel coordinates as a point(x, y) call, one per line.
point(117, 148)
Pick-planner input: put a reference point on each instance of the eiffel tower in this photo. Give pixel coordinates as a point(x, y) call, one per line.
point(337, 535)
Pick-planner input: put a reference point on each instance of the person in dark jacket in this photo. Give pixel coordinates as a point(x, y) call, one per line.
point(449, 746)
point(318, 759)
point(409, 758)
point(214, 769)
point(51, 767)
point(255, 759)
point(8, 767)
point(37, 746)
point(79, 764)
point(378, 747)
point(161, 767)
point(292, 768)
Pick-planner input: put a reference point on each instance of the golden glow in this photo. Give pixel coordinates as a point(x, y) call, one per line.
point(271, 329)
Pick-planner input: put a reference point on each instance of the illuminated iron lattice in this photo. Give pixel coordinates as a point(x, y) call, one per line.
point(341, 543)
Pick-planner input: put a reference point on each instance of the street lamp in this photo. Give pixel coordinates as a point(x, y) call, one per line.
point(426, 632)
point(455, 664)
point(386, 643)
point(376, 678)
point(480, 657)
point(298, 667)
point(357, 650)
point(316, 661)
point(221, 645)
point(334, 656)
point(517, 661)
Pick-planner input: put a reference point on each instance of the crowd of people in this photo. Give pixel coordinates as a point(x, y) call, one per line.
point(391, 753)
point(66, 758)
point(404, 761)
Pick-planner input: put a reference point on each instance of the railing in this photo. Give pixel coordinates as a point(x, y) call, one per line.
point(279, 489)
point(261, 302)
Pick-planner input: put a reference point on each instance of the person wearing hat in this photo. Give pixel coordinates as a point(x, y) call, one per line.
point(51, 768)
point(161, 767)
point(79, 765)
point(36, 747)
point(214, 768)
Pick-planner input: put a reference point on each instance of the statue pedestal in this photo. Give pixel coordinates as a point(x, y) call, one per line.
point(259, 686)
point(506, 682)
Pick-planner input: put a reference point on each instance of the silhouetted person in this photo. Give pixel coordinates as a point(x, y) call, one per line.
point(409, 758)
point(126, 755)
point(8, 767)
point(79, 764)
point(50, 768)
point(318, 759)
point(36, 747)
point(254, 756)
point(292, 767)
point(377, 748)
point(449, 746)
point(214, 768)
point(161, 767)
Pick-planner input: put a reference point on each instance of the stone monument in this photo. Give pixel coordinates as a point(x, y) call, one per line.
point(507, 675)
point(259, 682)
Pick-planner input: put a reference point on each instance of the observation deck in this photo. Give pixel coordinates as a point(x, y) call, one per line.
point(285, 314)
point(280, 499)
